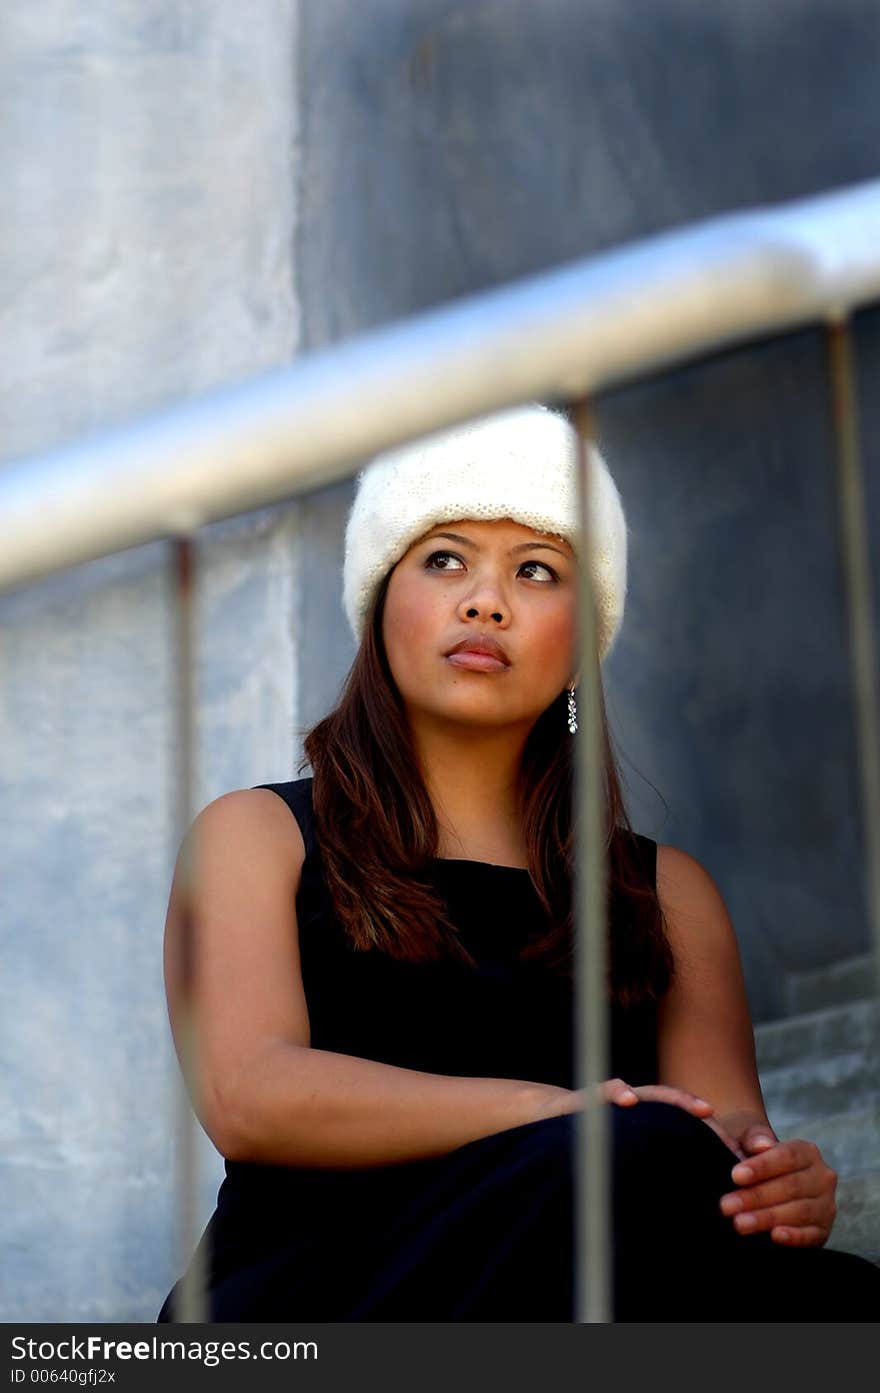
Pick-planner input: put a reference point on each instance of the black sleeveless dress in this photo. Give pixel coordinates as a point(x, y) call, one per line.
point(485, 1232)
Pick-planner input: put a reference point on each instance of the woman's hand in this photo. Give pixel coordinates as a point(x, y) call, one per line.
point(681, 1098)
point(666, 1093)
point(626, 1095)
point(785, 1187)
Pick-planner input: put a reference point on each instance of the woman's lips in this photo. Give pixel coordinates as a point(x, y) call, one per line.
point(479, 662)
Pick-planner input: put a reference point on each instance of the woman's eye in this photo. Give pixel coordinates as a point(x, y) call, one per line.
point(435, 554)
point(543, 566)
point(450, 554)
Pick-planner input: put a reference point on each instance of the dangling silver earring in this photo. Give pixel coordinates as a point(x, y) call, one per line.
point(572, 711)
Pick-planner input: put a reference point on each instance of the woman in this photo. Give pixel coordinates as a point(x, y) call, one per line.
point(384, 979)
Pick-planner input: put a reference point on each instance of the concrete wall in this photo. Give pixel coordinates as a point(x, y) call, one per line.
point(147, 254)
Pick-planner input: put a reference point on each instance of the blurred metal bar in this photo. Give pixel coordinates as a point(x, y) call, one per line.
point(862, 628)
point(575, 329)
point(190, 1299)
point(592, 1219)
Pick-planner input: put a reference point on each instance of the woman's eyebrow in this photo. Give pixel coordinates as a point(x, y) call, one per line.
point(521, 546)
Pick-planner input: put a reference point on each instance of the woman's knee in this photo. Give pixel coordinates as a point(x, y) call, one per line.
point(660, 1136)
point(635, 1126)
point(665, 1128)
point(658, 1129)
point(668, 1160)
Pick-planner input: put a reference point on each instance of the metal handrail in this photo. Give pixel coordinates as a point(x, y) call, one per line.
point(563, 333)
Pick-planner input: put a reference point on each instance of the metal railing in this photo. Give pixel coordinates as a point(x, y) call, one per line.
point(561, 335)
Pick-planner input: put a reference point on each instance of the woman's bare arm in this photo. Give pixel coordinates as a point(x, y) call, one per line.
point(309, 1107)
point(262, 1093)
point(706, 1041)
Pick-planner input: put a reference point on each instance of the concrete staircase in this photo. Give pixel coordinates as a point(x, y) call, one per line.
point(820, 1075)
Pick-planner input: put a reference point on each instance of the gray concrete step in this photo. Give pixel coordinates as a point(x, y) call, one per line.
point(842, 1029)
point(850, 979)
point(857, 1225)
point(820, 1076)
point(821, 1086)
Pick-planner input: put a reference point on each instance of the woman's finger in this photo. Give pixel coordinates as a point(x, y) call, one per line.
point(803, 1184)
point(796, 1206)
point(786, 1156)
point(758, 1138)
point(808, 1236)
point(618, 1091)
point(679, 1097)
point(796, 1214)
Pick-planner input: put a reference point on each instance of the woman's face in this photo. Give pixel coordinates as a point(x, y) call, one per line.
point(498, 579)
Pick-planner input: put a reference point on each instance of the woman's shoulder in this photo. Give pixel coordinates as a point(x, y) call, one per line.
point(691, 899)
point(243, 820)
point(682, 874)
point(678, 874)
point(297, 795)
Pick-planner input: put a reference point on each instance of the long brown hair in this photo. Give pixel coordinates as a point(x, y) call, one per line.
point(378, 835)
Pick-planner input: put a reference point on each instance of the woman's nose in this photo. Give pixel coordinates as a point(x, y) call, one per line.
point(486, 598)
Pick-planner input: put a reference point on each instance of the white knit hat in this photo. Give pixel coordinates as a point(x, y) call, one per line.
point(519, 464)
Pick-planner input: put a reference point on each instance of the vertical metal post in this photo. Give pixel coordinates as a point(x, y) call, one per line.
point(862, 629)
point(191, 1304)
point(591, 1026)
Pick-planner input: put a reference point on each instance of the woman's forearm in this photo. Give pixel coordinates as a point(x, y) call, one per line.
point(311, 1107)
point(737, 1123)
